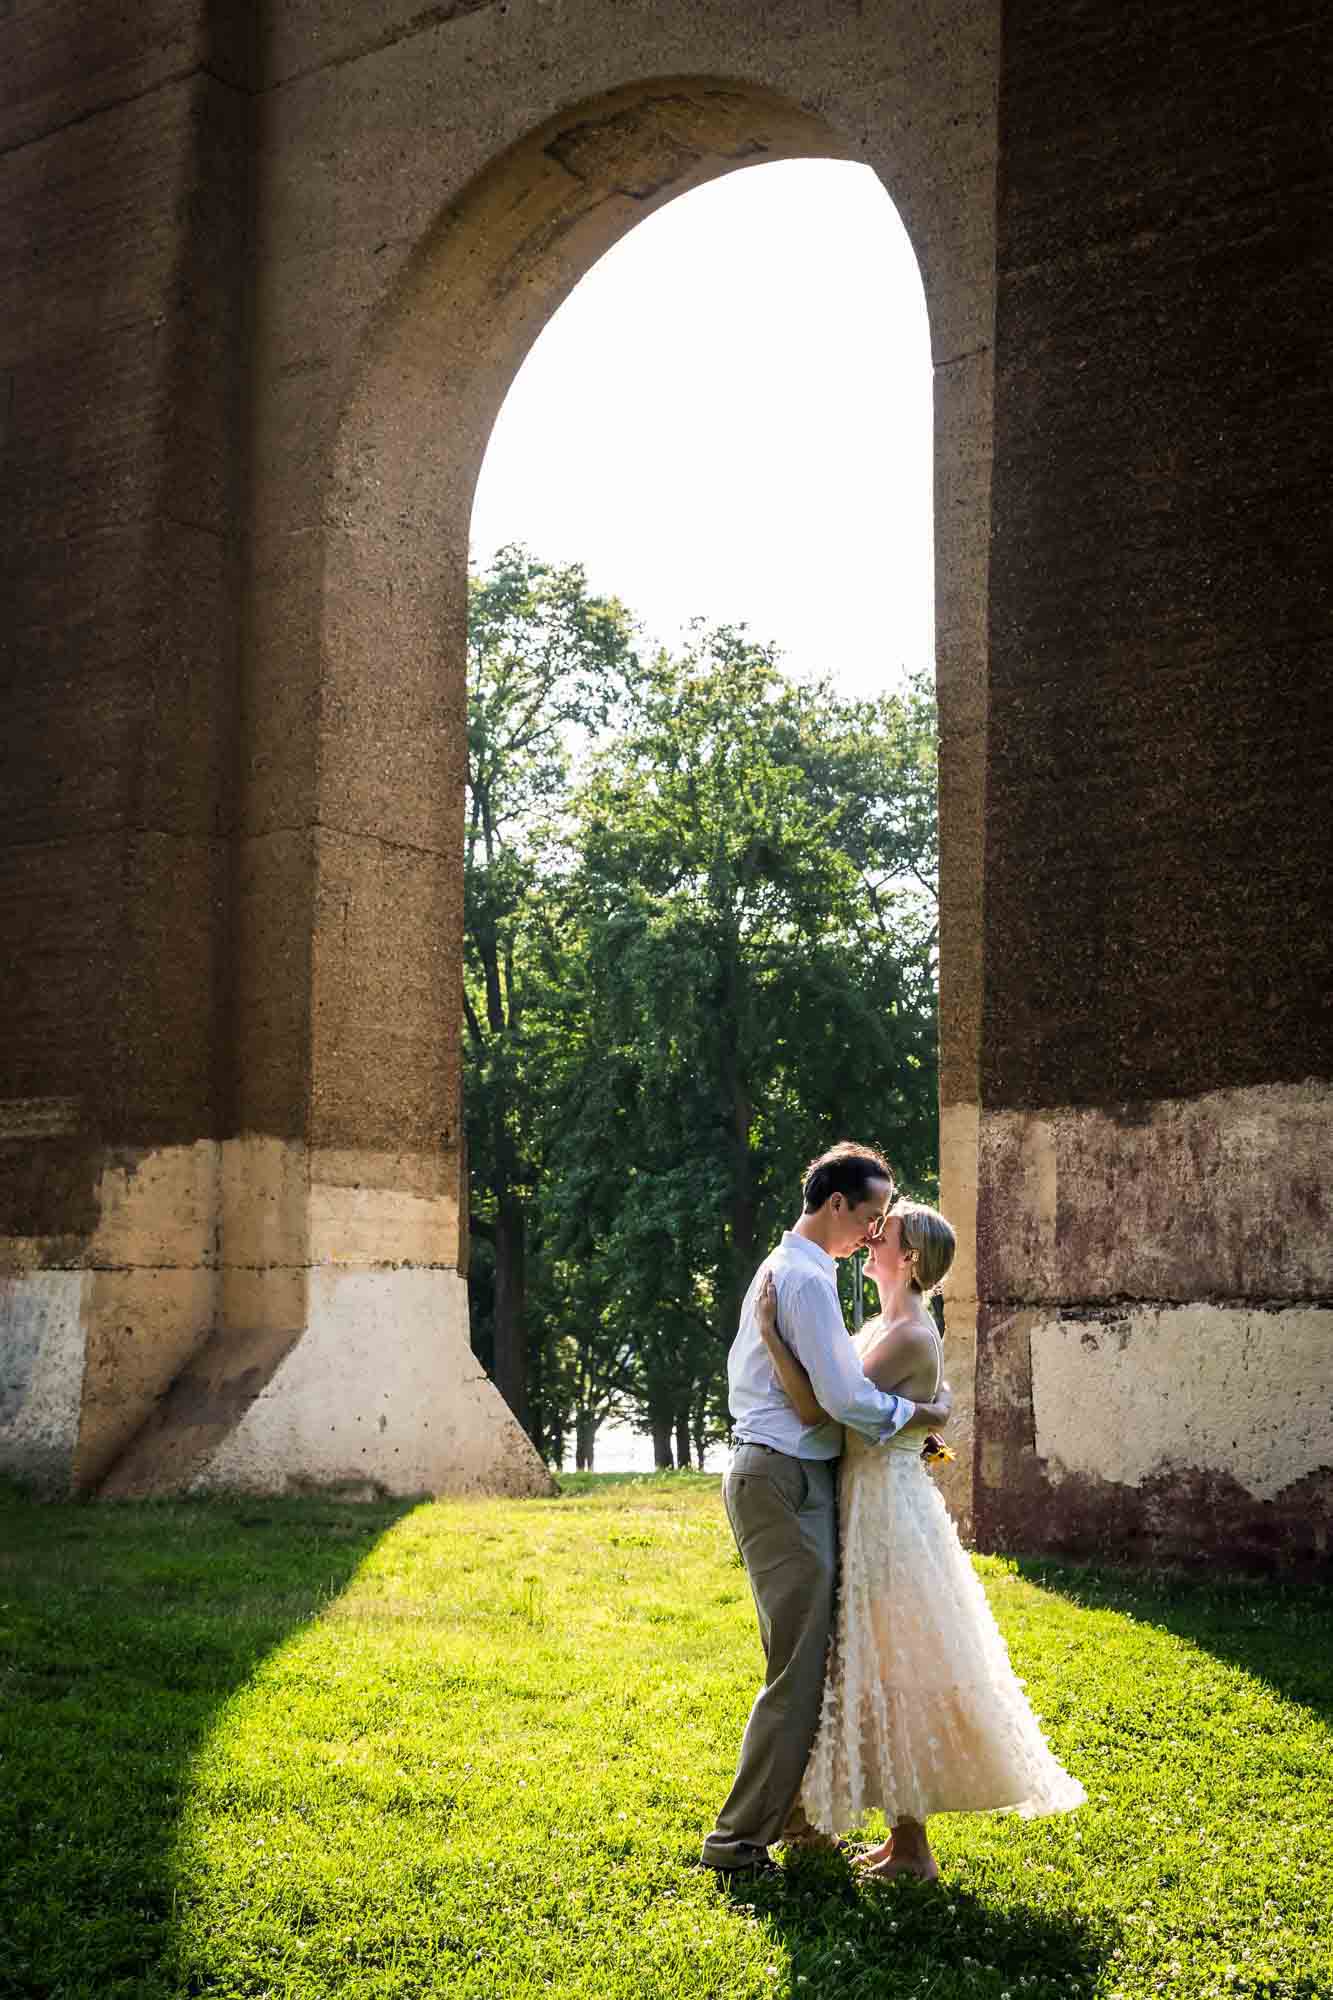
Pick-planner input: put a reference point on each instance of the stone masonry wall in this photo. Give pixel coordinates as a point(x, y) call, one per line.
point(123, 225)
point(1156, 1350)
point(272, 271)
point(267, 275)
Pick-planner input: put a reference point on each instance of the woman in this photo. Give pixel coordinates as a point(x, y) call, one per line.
point(922, 1712)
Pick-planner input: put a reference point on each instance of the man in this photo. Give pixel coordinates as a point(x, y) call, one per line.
point(781, 1490)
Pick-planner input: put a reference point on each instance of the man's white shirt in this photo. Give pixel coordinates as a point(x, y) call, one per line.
point(810, 1321)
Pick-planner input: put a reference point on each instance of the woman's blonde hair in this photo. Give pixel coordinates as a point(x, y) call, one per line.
point(930, 1240)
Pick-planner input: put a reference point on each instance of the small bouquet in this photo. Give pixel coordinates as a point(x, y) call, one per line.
point(935, 1451)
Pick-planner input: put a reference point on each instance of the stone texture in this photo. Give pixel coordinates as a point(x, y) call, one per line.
point(115, 717)
point(159, 1209)
point(1219, 1197)
point(265, 1223)
point(273, 891)
point(392, 762)
point(62, 62)
point(121, 342)
point(386, 1208)
point(206, 1399)
point(959, 1127)
point(270, 273)
point(63, 904)
point(1195, 1434)
point(279, 712)
point(1160, 591)
point(387, 999)
point(41, 1374)
point(140, 1328)
point(1155, 1031)
point(1140, 1395)
point(963, 417)
point(111, 999)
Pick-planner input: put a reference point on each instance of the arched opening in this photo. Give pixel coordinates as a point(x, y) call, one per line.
point(728, 420)
point(380, 1162)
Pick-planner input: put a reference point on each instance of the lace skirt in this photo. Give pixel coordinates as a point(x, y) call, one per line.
point(922, 1711)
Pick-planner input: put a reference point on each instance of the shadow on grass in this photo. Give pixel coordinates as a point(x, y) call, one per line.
point(862, 1939)
point(1277, 1629)
point(124, 1630)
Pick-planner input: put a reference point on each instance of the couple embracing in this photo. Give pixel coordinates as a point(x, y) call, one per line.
point(905, 1700)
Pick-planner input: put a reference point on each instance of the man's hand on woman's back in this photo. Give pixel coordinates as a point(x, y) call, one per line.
point(934, 1416)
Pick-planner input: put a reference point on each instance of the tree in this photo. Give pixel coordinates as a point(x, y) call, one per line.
point(701, 936)
point(546, 664)
point(760, 938)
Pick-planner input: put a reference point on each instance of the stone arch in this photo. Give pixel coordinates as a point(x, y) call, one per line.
point(413, 428)
point(229, 1243)
point(446, 345)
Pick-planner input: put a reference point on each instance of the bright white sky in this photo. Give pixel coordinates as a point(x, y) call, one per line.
point(730, 416)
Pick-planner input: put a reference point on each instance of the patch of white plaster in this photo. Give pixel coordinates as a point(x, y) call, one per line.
point(1219, 1389)
point(43, 1320)
point(382, 1391)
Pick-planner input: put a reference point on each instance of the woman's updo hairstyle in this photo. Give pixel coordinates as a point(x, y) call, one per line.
point(930, 1240)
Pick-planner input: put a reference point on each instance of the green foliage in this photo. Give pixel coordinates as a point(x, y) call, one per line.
point(546, 664)
point(713, 952)
point(470, 1749)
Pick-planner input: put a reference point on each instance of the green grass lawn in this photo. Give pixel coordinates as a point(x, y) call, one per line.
point(306, 1748)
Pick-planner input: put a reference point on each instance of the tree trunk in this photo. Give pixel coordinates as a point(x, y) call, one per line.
point(586, 1434)
point(699, 1416)
point(683, 1440)
point(511, 1331)
point(743, 1247)
point(734, 1281)
point(660, 1422)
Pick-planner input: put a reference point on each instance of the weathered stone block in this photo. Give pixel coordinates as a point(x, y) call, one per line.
point(384, 1031)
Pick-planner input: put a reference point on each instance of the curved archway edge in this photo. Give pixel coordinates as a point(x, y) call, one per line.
point(435, 368)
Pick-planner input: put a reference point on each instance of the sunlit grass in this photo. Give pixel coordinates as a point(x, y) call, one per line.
point(471, 1748)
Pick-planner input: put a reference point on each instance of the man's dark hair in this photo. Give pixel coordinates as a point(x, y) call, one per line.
point(845, 1169)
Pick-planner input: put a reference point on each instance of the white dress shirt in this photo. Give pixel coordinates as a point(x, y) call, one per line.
point(810, 1321)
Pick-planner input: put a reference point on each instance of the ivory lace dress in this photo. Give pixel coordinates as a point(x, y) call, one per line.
point(922, 1711)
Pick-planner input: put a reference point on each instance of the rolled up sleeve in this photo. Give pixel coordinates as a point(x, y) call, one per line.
point(812, 1324)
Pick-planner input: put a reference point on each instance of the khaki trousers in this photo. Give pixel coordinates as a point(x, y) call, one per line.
point(783, 1513)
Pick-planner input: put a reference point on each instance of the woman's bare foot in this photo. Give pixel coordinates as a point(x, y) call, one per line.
point(888, 1871)
point(905, 1852)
